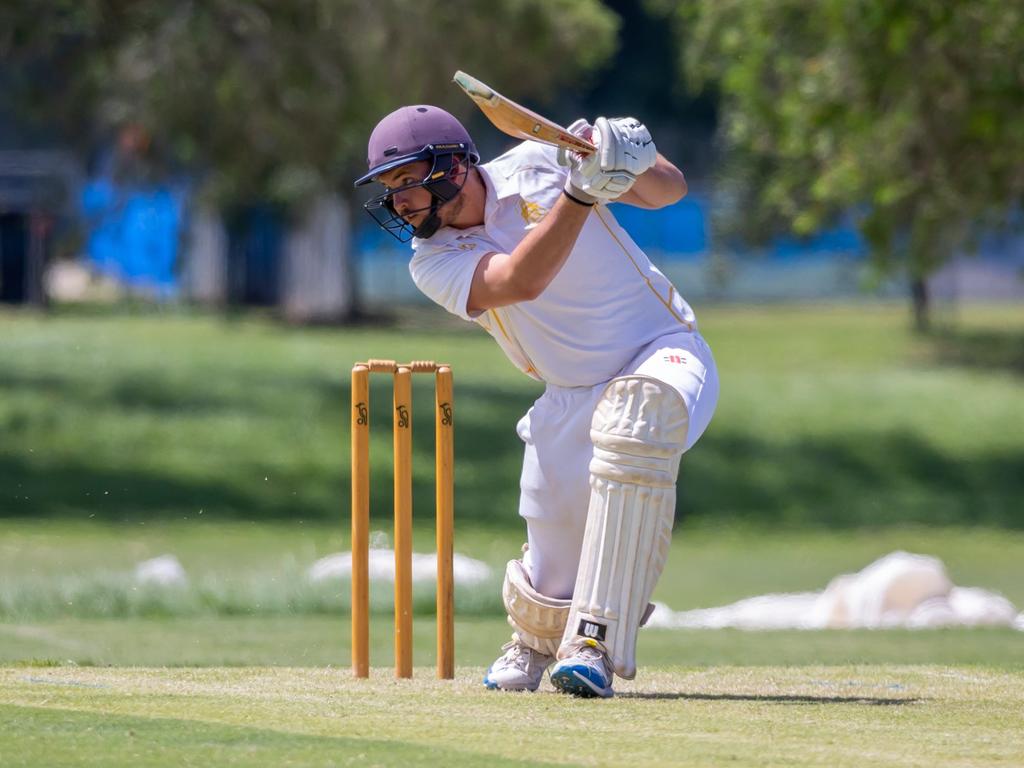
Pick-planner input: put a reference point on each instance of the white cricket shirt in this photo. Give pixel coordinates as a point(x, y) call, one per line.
point(606, 303)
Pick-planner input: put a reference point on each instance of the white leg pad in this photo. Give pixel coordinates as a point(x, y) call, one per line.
point(538, 620)
point(639, 433)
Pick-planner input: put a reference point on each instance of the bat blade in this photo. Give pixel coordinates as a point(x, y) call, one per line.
point(516, 120)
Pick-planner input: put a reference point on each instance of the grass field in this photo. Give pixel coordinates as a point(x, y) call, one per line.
point(67, 596)
point(828, 416)
point(813, 716)
point(840, 437)
point(52, 569)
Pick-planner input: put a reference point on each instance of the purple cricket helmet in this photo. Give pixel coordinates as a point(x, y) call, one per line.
point(409, 134)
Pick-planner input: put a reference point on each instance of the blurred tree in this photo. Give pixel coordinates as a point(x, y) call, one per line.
point(909, 114)
point(273, 101)
point(642, 79)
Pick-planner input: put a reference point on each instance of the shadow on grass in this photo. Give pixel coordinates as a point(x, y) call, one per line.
point(313, 485)
point(989, 349)
point(155, 394)
point(772, 699)
point(77, 489)
point(849, 480)
point(70, 736)
point(838, 480)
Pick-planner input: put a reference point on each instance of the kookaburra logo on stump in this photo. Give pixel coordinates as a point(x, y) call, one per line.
point(446, 414)
point(403, 416)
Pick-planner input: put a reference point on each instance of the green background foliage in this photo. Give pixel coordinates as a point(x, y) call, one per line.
point(908, 116)
point(273, 101)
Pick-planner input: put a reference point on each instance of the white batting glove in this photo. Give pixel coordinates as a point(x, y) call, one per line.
point(625, 145)
point(581, 169)
point(624, 151)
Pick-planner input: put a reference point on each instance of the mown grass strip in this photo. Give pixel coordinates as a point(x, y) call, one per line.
point(842, 716)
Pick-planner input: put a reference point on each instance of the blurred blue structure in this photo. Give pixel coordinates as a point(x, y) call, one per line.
point(134, 232)
point(680, 230)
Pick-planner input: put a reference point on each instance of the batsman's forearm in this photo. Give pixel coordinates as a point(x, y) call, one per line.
point(541, 254)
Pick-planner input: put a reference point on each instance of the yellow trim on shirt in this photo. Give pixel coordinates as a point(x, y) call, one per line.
point(647, 280)
point(529, 364)
point(493, 313)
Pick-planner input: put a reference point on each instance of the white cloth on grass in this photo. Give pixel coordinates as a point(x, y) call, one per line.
point(465, 569)
point(164, 571)
point(899, 590)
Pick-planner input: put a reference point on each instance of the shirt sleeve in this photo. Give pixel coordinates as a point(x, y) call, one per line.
point(445, 274)
point(541, 178)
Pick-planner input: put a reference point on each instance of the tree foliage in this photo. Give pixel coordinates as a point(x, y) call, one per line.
point(908, 113)
point(274, 100)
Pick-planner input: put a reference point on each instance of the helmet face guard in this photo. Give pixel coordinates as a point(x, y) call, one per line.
point(440, 181)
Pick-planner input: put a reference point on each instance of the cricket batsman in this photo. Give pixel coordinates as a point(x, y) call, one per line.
point(527, 247)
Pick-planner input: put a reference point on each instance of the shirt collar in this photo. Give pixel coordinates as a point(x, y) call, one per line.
point(496, 187)
point(499, 185)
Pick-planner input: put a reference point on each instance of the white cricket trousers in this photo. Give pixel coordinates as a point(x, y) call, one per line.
point(555, 483)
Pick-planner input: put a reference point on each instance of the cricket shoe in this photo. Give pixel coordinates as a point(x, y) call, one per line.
point(586, 673)
point(520, 668)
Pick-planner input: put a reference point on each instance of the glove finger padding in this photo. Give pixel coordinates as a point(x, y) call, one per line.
point(625, 145)
point(611, 184)
point(607, 186)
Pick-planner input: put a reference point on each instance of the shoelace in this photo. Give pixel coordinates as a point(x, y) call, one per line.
point(590, 653)
point(516, 653)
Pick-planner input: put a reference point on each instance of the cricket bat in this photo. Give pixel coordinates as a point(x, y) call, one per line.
point(518, 121)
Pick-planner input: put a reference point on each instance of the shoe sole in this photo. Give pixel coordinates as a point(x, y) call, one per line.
point(569, 680)
point(491, 685)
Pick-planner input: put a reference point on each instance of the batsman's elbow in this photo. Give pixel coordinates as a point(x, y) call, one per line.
point(675, 185)
point(683, 187)
point(661, 186)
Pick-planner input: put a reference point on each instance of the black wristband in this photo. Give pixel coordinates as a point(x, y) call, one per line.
point(576, 199)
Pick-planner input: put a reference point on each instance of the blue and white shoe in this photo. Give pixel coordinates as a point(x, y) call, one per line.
point(520, 668)
point(586, 673)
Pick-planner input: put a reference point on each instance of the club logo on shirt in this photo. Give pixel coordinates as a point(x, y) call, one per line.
point(531, 212)
point(676, 359)
point(466, 246)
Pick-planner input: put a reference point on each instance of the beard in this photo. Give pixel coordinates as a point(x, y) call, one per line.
point(451, 210)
